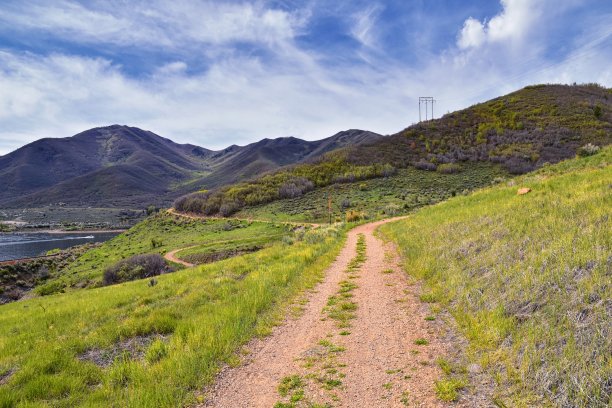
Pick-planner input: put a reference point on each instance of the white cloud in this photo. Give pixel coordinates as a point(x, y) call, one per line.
point(158, 23)
point(472, 34)
point(364, 22)
point(512, 24)
point(241, 98)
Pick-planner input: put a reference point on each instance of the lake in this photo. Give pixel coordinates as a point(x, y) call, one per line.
point(25, 245)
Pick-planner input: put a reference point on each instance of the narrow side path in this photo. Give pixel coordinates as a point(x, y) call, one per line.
point(383, 355)
point(171, 256)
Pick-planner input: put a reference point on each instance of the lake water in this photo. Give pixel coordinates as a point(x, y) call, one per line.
point(26, 245)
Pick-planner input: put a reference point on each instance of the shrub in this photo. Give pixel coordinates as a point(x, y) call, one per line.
point(392, 209)
point(152, 210)
point(295, 187)
point(50, 288)
point(587, 150)
point(135, 267)
point(227, 209)
point(597, 111)
point(425, 165)
point(449, 168)
point(352, 216)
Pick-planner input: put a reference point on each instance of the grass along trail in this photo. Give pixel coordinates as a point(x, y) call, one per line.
point(361, 340)
point(172, 211)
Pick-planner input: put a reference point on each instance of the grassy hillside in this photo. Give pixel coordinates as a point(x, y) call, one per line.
point(400, 193)
point(520, 132)
point(143, 345)
point(527, 279)
point(158, 235)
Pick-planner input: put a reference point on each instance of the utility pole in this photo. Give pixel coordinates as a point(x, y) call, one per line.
point(426, 100)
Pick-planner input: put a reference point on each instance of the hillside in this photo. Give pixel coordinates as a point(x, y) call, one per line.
point(527, 279)
point(115, 165)
point(518, 132)
point(121, 166)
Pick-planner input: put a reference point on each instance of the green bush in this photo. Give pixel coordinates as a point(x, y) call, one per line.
point(135, 267)
point(587, 150)
point(449, 168)
point(50, 288)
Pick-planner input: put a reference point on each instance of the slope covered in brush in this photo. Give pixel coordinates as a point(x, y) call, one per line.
point(520, 131)
point(527, 279)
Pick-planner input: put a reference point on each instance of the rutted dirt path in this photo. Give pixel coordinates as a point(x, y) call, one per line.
point(375, 362)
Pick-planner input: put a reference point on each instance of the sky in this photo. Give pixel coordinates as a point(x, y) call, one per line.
point(216, 73)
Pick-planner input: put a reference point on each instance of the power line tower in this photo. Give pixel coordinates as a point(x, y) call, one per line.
point(427, 101)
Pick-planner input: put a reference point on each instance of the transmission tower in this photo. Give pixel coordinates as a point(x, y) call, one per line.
point(427, 101)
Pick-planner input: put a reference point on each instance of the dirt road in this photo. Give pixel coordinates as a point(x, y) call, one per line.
point(383, 357)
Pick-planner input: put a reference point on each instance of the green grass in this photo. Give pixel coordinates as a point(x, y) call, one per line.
point(527, 280)
point(399, 194)
point(339, 307)
point(448, 389)
point(163, 233)
point(198, 318)
point(253, 239)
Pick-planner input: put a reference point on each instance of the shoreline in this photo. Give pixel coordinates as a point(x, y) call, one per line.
point(59, 232)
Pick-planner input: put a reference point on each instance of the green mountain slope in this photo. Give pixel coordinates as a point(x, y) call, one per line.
point(527, 278)
point(519, 132)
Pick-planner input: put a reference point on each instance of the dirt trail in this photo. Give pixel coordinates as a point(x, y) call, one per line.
point(171, 256)
point(375, 359)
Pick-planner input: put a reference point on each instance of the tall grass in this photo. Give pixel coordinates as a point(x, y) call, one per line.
point(201, 315)
point(528, 280)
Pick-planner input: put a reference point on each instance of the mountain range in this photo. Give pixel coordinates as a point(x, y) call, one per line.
point(122, 166)
point(126, 167)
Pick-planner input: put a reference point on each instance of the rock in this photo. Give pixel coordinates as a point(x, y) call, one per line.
point(523, 191)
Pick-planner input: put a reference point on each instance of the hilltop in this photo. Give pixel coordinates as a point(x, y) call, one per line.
point(516, 133)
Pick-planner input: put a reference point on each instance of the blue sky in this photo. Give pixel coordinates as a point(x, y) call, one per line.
point(216, 73)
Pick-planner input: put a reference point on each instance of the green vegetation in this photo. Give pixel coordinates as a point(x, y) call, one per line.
point(141, 345)
point(398, 194)
point(135, 267)
point(162, 233)
point(289, 384)
point(252, 241)
point(332, 168)
point(527, 278)
point(340, 307)
point(521, 131)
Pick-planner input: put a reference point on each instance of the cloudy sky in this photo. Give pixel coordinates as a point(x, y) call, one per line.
point(216, 73)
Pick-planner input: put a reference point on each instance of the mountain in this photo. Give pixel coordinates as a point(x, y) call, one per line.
point(125, 166)
point(240, 163)
point(519, 132)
